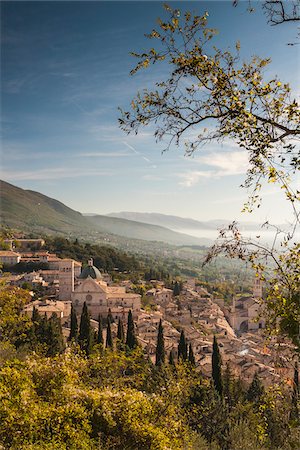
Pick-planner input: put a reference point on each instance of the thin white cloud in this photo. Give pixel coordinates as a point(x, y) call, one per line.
point(53, 174)
point(223, 164)
point(227, 163)
point(193, 177)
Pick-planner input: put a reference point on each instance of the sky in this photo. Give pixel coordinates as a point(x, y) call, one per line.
point(65, 72)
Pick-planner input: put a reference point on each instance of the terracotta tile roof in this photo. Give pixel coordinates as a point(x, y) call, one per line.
point(8, 253)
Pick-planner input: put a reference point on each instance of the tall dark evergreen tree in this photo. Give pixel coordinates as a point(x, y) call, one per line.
point(256, 390)
point(85, 337)
point(56, 343)
point(110, 316)
point(74, 325)
point(34, 337)
point(42, 332)
point(182, 347)
point(109, 340)
point(217, 368)
point(228, 385)
point(35, 315)
point(176, 289)
point(191, 356)
point(100, 339)
point(171, 359)
point(131, 340)
point(160, 346)
point(120, 332)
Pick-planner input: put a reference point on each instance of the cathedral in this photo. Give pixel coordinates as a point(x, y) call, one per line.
point(90, 287)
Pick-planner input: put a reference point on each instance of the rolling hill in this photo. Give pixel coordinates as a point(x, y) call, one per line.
point(32, 211)
point(181, 224)
point(29, 210)
point(138, 230)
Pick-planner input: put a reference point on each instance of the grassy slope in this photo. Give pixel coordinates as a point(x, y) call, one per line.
point(31, 211)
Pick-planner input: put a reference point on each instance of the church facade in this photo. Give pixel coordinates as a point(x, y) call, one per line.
point(100, 298)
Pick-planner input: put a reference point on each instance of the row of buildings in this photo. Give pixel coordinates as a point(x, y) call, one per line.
point(69, 283)
point(195, 311)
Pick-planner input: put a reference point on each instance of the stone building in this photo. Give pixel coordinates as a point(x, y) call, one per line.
point(244, 312)
point(9, 258)
point(91, 288)
point(48, 307)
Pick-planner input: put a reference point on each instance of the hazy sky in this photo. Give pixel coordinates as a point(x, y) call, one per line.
point(65, 71)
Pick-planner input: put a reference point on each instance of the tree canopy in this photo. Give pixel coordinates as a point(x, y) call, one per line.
point(212, 95)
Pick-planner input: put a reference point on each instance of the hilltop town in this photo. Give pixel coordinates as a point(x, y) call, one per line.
point(239, 326)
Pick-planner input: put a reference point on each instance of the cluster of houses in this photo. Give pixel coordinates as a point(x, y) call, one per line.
point(200, 315)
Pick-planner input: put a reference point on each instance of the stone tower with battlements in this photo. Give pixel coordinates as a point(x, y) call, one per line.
point(66, 279)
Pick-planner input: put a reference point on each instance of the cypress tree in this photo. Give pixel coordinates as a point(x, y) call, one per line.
point(43, 332)
point(182, 347)
point(191, 357)
point(228, 388)
point(55, 342)
point(34, 336)
point(100, 339)
point(110, 317)
point(74, 325)
point(160, 346)
point(120, 335)
point(131, 340)
point(109, 340)
point(176, 289)
point(171, 359)
point(256, 389)
point(217, 368)
point(85, 331)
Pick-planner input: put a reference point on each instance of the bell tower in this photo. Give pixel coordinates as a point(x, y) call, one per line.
point(66, 279)
point(257, 288)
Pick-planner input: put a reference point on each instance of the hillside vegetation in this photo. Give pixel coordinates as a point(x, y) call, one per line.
point(114, 398)
point(31, 211)
point(146, 231)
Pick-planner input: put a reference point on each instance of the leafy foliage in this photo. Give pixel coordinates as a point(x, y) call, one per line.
point(117, 399)
point(105, 257)
point(212, 91)
point(211, 95)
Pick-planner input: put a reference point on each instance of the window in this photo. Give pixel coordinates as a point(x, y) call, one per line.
point(88, 298)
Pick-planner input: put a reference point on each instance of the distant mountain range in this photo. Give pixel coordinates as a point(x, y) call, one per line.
point(179, 223)
point(31, 211)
